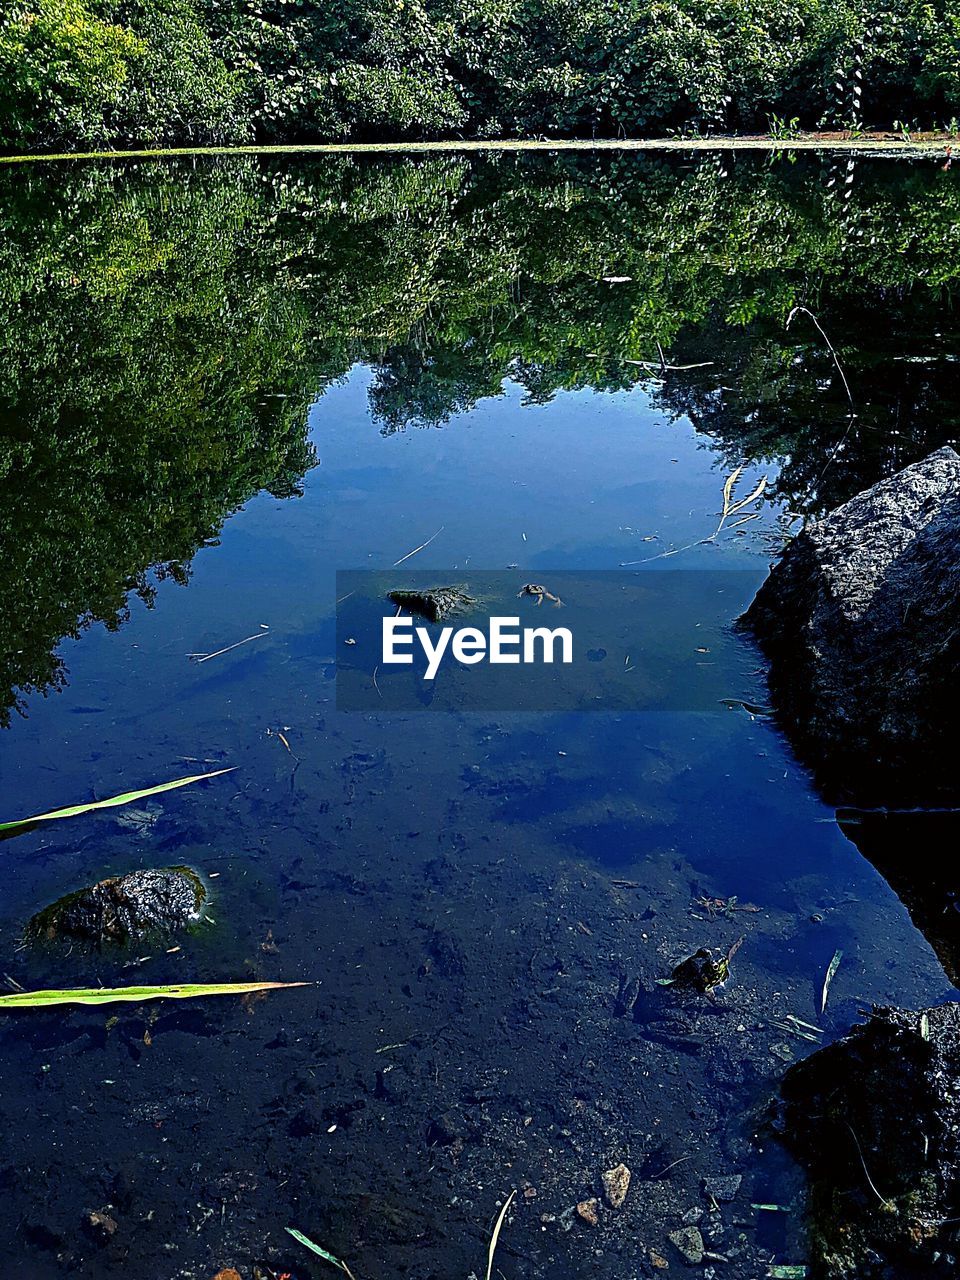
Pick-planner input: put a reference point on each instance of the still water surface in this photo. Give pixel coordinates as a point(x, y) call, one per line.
point(224, 381)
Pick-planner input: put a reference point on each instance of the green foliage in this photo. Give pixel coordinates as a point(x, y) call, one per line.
point(91, 72)
point(180, 89)
point(63, 72)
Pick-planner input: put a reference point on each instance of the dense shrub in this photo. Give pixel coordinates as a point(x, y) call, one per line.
point(78, 73)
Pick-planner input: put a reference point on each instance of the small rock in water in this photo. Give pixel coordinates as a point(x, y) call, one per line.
point(124, 907)
point(587, 1210)
point(689, 1244)
point(722, 1189)
point(616, 1184)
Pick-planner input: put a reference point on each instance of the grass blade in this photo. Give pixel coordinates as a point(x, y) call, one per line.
point(112, 995)
point(74, 810)
point(832, 968)
point(319, 1251)
point(496, 1233)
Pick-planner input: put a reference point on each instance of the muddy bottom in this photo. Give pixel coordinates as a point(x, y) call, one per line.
point(477, 1026)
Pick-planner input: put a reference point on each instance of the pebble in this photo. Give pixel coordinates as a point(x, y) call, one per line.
point(689, 1244)
point(616, 1184)
point(587, 1210)
point(101, 1225)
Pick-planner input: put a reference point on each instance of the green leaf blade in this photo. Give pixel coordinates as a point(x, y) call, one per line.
point(74, 810)
point(113, 995)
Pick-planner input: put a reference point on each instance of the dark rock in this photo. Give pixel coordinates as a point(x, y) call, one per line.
point(875, 1118)
point(722, 1189)
point(860, 619)
point(124, 907)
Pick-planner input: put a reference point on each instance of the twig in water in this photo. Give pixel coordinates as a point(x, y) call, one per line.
point(205, 657)
point(420, 548)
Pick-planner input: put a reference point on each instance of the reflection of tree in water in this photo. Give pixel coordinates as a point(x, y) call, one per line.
point(146, 390)
point(163, 328)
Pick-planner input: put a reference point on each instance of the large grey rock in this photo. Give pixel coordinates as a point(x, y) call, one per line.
point(875, 1119)
point(861, 621)
point(124, 907)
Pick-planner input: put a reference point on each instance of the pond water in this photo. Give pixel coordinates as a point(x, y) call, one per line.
point(225, 380)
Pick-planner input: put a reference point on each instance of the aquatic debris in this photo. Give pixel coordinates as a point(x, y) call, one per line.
point(703, 971)
point(73, 811)
point(320, 1251)
point(616, 1184)
point(112, 995)
point(832, 968)
point(433, 603)
point(205, 657)
point(796, 1028)
point(420, 548)
point(800, 1023)
point(540, 593)
point(496, 1233)
point(731, 506)
point(722, 906)
point(778, 1272)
